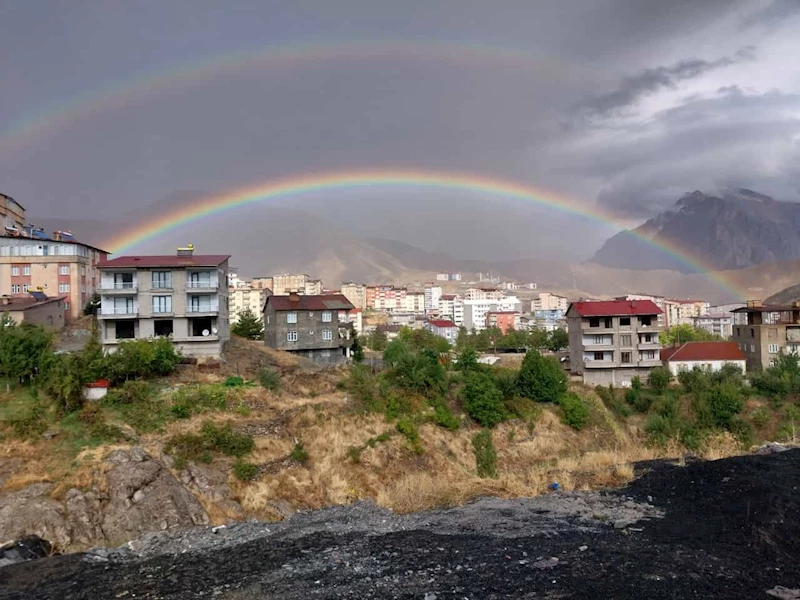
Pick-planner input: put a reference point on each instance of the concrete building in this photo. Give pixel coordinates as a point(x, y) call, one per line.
point(414, 302)
point(715, 324)
point(444, 329)
point(356, 293)
point(769, 330)
point(36, 309)
point(548, 301)
point(182, 296)
point(611, 342)
point(448, 277)
point(681, 312)
point(356, 319)
point(261, 283)
point(433, 293)
point(484, 293)
point(243, 298)
point(657, 300)
point(12, 213)
point(59, 265)
point(709, 356)
point(388, 298)
point(475, 310)
point(317, 327)
point(503, 320)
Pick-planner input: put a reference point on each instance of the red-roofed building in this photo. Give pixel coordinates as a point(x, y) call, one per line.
point(709, 356)
point(316, 327)
point(443, 328)
point(183, 297)
point(610, 342)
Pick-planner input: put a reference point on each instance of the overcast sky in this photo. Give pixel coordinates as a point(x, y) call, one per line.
point(625, 103)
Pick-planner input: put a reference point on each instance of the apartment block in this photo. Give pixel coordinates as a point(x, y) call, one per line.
point(768, 331)
point(183, 297)
point(443, 328)
point(611, 342)
point(433, 293)
point(681, 312)
point(356, 293)
point(475, 310)
point(548, 301)
point(484, 293)
point(503, 320)
point(243, 298)
point(715, 324)
point(12, 213)
point(657, 300)
point(316, 327)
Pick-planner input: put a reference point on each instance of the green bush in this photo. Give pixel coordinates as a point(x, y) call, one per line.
point(444, 417)
point(668, 408)
point(658, 428)
point(417, 371)
point(690, 436)
point(467, 360)
point(636, 384)
point(299, 453)
point(485, 455)
point(574, 411)
point(145, 358)
point(65, 379)
point(354, 454)
point(726, 402)
point(638, 399)
point(408, 429)
point(659, 379)
point(234, 381)
point(30, 424)
point(760, 416)
point(541, 378)
point(130, 392)
point(694, 380)
point(482, 400)
point(269, 379)
point(506, 381)
point(211, 438)
point(363, 388)
point(196, 399)
point(245, 471)
point(742, 430)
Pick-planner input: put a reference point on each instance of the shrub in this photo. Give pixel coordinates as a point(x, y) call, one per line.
point(485, 455)
point(234, 381)
point(690, 436)
point(668, 408)
point(197, 399)
point(695, 380)
point(781, 379)
point(409, 430)
point(29, 424)
point(658, 428)
point(636, 384)
point(444, 417)
point(354, 454)
point(760, 416)
point(245, 471)
point(726, 402)
point(574, 411)
point(659, 378)
point(211, 438)
point(467, 360)
point(638, 399)
point(482, 400)
point(299, 453)
point(506, 381)
point(541, 378)
point(742, 430)
point(66, 377)
point(269, 379)
point(130, 392)
point(417, 371)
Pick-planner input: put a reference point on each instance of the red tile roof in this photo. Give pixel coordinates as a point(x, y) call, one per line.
point(447, 297)
point(703, 351)
point(171, 260)
point(301, 302)
point(612, 308)
point(442, 324)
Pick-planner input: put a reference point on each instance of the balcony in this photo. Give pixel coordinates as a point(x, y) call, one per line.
point(650, 362)
point(118, 288)
point(600, 364)
point(202, 310)
point(118, 312)
point(654, 345)
point(604, 347)
point(202, 286)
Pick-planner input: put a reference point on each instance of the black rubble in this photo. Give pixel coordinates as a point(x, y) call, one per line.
point(722, 529)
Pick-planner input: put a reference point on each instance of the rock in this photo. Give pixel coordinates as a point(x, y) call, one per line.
point(784, 593)
point(31, 511)
point(583, 548)
point(138, 455)
point(771, 448)
point(27, 548)
point(545, 563)
point(84, 515)
point(207, 481)
point(285, 509)
point(620, 524)
point(50, 434)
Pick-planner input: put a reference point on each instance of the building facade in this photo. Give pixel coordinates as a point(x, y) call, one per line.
point(503, 320)
point(681, 312)
point(316, 327)
point(708, 356)
point(611, 342)
point(12, 213)
point(433, 293)
point(484, 293)
point(657, 300)
point(444, 329)
point(183, 297)
point(36, 309)
point(475, 311)
point(243, 298)
point(548, 301)
point(715, 324)
point(767, 332)
point(356, 293)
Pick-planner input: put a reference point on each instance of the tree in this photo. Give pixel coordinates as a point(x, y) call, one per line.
point(557, 340)
point(537, 338)
point(422, 339)
point(23, 349)
point(659, 378)
point(91, 306)
point(357, 350)
point(467, 360)
point(248, 326)
point(541, 378)
point(482, 400)
point(686, 333)
point(377, 340)
point(464, 339)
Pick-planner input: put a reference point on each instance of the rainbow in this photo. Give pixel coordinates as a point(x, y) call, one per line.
point(283, 56)
point(374, 179)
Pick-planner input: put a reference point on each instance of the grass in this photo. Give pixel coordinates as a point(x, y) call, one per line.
point(485, 455)
point(299, 453)
point(209, 440)
point(409, 430)
point(269, 379)
point(245, 471)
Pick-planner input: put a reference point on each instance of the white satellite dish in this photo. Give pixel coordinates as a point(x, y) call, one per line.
point(206, 333)
point(214, 330)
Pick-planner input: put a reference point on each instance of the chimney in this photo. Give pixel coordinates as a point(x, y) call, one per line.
point(294, 297)
point(186, 251)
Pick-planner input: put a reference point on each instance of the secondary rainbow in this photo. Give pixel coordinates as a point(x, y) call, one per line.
point(375, 179)
point(67, 112)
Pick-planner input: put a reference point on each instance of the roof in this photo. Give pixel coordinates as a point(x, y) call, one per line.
point(611, 308)
point(703, 351)
point(442, 323)
point(447, 297)
point(502, 312)
point(684, 301)
point(170, 260)
point(713, 316)
point(301, 302)
point(14, 303)
point(768, 308)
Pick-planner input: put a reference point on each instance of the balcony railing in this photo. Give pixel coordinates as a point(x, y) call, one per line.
point(108, 286)
point(202, 308)
point(119, 310)
point(203, 284)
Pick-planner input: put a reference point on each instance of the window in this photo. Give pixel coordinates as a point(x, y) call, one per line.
point(594, 322)
point(202, 327)
point(26, 270)
point(773, 348)
point(200, 279)
point(123, 281)
point(15, 288)
point(15, 271)
point(291, 336)
point(125, 330)
point(63, 270)
point(291, 317)
point(327, 335)
point(66, 305)
point(647, 338)
point(63, 288)
point(162, 328)
point(162, 304)
point(599, 339)
point(626, 358)
point(609, 322)
point(645, 321)
point(326, 316)
point(267, 319)
point(201, 304)
point(738, 331)
point(162, 280)
point(648, 355)
point(752, 347)
point(752, 332)
point(624, 321)
point(625, 339)
point(25, 287)
point(598, 356)
point(325, 353)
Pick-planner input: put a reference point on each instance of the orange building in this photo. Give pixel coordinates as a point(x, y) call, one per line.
point(503, 320)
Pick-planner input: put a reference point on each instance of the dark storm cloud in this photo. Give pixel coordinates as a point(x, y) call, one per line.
point(634, 88)
point(773, 15)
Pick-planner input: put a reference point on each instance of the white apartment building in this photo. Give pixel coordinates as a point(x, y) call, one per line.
point(484, 294)
point(433, 294)
point(548, 301)
point(681, 312)
point(716, 324)
point(356, 293)
point(475, 310)
point(282, 285)
point(413, 302)
point(242, 298)
point(183, 297)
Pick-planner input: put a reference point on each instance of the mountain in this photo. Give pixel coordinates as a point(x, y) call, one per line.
point(739, 229)
point(785, 296)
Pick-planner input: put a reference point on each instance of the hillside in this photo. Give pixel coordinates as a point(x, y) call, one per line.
point(734, 231)
point(785, 296)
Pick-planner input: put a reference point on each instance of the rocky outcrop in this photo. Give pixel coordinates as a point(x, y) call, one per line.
point(140, 495)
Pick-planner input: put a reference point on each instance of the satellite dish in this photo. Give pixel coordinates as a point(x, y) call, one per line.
point(206, 333)
point(214, 330)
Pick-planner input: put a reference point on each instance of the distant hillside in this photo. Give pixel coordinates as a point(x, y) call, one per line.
point(785, 296)
point(739, 229)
